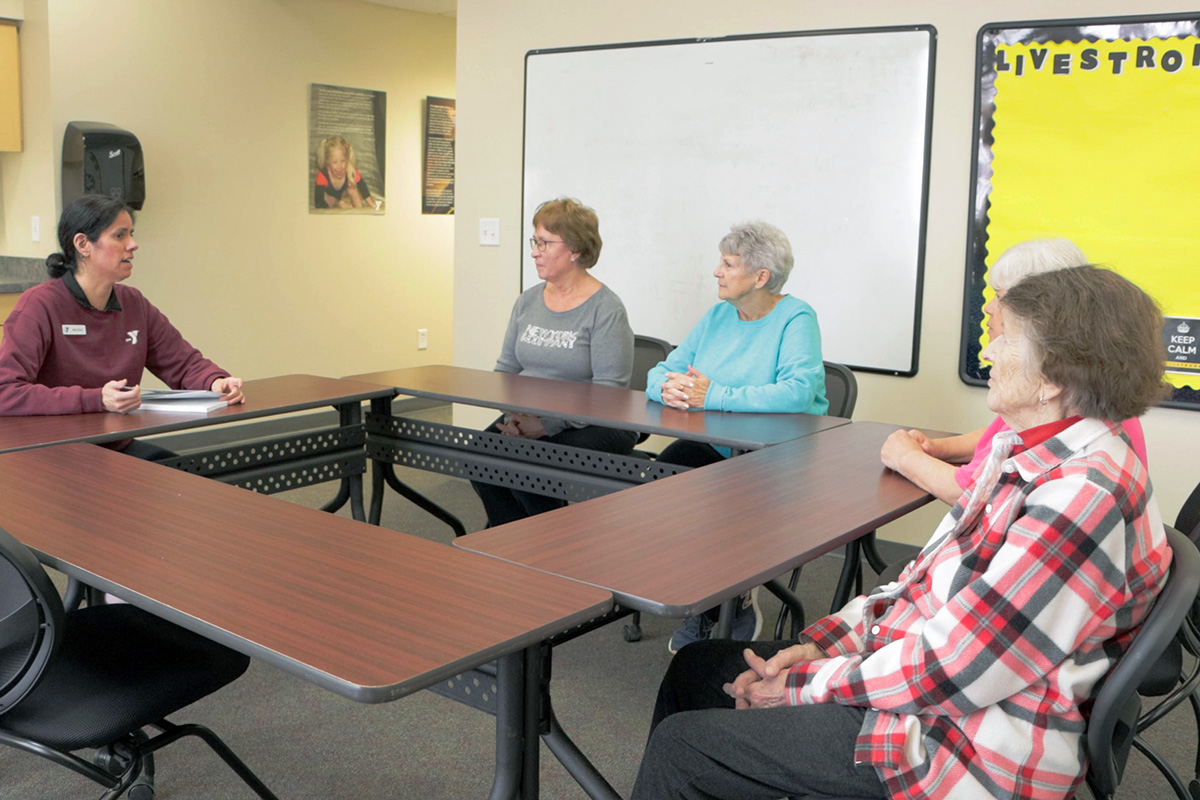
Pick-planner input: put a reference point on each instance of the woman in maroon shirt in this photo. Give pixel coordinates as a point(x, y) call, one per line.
point(78, 343)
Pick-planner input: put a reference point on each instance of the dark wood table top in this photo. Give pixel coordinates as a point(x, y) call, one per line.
point(264, 397)
point(598, 405)
point(368, 613)
point(682, 544)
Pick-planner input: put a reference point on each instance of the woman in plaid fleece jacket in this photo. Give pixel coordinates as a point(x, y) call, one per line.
point(970, 676)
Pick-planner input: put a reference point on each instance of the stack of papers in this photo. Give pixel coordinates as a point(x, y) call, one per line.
point(186, 401)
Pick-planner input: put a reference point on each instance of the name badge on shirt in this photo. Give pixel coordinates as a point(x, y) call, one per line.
point(74, 330)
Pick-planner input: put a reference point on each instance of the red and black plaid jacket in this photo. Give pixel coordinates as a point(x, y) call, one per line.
point(976, 663)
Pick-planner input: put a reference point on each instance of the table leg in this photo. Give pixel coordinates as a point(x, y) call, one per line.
point(870, 549)
point(413, 496)
point(377, 487)
point(351, 488)
point(356, 498)
point(510, 727)
point(725, 621)
point(850, 581)
point(791, 605)
point(531, 766)
point(560, 744)
point(339, 499)
point(383, 472)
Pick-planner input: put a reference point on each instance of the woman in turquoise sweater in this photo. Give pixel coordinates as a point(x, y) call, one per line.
point(758, 350)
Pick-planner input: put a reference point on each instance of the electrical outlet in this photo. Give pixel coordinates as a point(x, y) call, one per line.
point(422, 338)
point(489, 232)
point(35, 228)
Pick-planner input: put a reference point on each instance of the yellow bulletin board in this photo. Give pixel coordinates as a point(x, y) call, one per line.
point(1087, 129)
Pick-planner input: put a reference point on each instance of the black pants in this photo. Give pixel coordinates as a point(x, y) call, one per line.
point(507, 505)
point(702, 749)
point(690, 454)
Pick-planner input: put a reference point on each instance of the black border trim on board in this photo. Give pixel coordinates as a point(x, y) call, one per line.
point(969, 369)
point(929, 29)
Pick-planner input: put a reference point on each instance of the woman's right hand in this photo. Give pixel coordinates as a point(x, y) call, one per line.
point(764, 685)
point(900, 446)
point(674, 391)
point(119, 398)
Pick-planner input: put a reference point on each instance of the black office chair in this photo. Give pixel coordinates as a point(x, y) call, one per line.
point(93, 678)
point(1113, 725)
point(841, 390)
point(1168, 680)
point(647, 353)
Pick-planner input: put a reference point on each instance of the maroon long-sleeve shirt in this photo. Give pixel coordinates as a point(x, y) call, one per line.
point(59, 350)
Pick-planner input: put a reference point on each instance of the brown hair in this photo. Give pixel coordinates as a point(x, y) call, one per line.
point(1096, 335)
point(577, 224)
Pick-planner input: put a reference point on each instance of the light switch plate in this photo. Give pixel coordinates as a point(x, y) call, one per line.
point(489, 232)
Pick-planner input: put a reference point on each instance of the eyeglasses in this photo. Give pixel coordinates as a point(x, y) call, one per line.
point(541, 244)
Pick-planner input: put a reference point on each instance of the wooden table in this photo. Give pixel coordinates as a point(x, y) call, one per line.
point(686, 544)
point(597, 405)
point(569, 473)
point(682, 545)
point(267, 466)
point(370, 614)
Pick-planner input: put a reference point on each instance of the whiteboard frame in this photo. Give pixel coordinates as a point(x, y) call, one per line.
point(917, 229)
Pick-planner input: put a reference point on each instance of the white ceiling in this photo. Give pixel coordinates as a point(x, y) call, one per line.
point(446, 7)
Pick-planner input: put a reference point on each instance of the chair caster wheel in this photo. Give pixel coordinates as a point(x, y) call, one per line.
point(143, 787)
point(632, 633)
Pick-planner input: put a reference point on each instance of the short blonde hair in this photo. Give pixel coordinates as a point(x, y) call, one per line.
point(328, 144)
point(577, 224)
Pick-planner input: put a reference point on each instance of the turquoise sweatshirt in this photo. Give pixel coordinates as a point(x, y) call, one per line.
point(771, 364)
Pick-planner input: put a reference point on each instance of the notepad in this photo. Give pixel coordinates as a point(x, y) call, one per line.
point(184, 401)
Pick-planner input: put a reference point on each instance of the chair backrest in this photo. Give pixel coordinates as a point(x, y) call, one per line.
point(647, 352)
point(841, 390)
point(31, 616)
point(1188, 521)
point(1114, 715)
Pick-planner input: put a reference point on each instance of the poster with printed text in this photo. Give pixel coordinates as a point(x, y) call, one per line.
point(1086, 130)
point(437, 192)
point(347, 132)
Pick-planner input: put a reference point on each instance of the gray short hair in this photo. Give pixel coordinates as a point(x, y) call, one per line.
point(761, 245)
point(1033, 258)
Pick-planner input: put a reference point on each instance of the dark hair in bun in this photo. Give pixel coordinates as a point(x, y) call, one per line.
point(56, 265)
point(89, 215)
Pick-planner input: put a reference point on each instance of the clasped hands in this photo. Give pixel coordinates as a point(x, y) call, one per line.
point(685, 390)
point(526, 426)
point(900, 444)
point(764, 685)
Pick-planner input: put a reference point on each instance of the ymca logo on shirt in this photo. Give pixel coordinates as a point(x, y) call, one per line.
point(131, 337)
point(544, 337)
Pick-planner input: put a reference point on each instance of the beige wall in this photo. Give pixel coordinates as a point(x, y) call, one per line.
point(492, 40)
point(27, 178)
point(217, 92)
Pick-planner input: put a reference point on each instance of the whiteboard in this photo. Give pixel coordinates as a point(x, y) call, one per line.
point(824, 134)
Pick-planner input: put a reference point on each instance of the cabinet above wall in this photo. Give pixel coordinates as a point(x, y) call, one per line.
point(10, 87)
